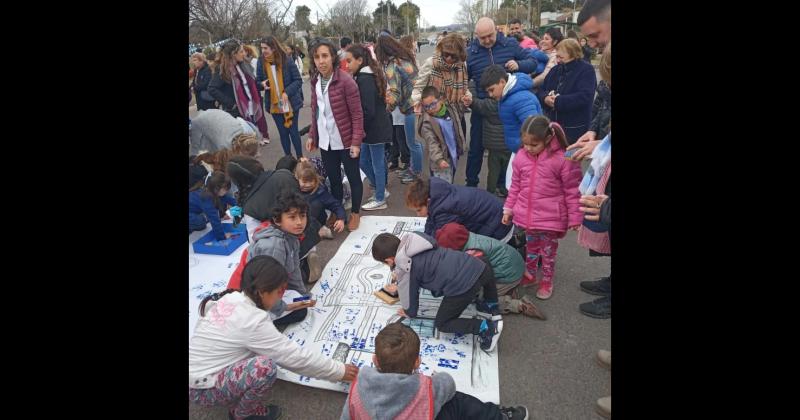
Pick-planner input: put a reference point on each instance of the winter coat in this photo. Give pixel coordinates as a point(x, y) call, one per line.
point(285, 248)
point(430, 131)
point(201, 206)
point(551, 62)
point(478, 210)
point(515, 106)
point(292, 84)
point(506, 261)
point(212, 130)
point(263, 195)
point(346, 106)
point(234, 329)
point(223, 93)
point(544, 191)
point(503, 50)
point(493, 136)
point(421, 264)
point(201, 82)
point(323, 199)
point(388, 395)
point(401, 77)
point(575, 82)
point(601, 110)
point(377, 121)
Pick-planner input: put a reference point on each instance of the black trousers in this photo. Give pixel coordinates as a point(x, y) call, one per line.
point(399, 148)
point(294, 316)
point(464, 406)
point(331, 160)
point(447, 318)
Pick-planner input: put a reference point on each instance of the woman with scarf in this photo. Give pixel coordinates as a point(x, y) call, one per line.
point(233, 85)
point(446, 71)
point(278, 76)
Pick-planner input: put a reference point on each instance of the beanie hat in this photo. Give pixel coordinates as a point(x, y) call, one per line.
point(453, 236)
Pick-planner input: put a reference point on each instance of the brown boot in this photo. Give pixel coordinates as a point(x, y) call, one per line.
point(355, 218)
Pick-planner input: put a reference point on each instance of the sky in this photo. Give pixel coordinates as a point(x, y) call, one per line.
point(435, 12)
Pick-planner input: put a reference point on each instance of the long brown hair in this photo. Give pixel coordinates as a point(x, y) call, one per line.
point(225, 61)
point(540, 127)
point(278, 50)
point(387, 49)
point(408, 42)
point(361, 53)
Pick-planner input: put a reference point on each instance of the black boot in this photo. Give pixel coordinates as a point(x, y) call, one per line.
point(599, 308)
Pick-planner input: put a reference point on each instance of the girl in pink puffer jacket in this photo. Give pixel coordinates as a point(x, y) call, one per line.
point(543, 198)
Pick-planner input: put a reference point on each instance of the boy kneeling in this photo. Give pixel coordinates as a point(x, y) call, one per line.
point(391, 390)
point(418, 262)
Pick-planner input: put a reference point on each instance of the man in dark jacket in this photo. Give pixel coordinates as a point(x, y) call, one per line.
point(200, 83)
point(419, 263)
point(490, 47)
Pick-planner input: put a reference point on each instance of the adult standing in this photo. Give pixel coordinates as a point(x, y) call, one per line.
point(234, 87)
point(377, 122)
point(515, 27)
point(548, 45)
point(401, 71)
point(202, 77)
point(490, 47)
point(278, 76)
point(337, 123)
point(446, 71)
point(587, 50)
point(568, 90)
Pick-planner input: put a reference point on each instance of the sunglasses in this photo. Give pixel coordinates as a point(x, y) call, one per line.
point(431, 105)
point(450, 55)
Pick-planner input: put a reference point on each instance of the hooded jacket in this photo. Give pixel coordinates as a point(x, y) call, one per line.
point(516, 105)
point(478, 210)
point(285, 248)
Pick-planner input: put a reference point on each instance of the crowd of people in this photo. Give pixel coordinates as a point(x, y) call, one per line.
point(534, 104)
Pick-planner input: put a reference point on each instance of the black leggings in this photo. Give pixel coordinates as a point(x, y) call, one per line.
point(294, 316)
point(447, 318)
point(331, 160)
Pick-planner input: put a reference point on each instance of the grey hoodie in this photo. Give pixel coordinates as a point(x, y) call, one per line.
point(285, 248)
point(385, 395)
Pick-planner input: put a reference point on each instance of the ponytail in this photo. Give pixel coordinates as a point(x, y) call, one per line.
point(215, 297)
point(558, 132)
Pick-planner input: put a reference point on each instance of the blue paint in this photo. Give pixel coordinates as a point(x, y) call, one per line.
point(448, 363)
point(461, 354)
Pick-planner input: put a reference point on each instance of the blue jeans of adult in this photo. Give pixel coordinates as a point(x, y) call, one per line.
point(291, 132)
point(414, 146)
point(373, 163)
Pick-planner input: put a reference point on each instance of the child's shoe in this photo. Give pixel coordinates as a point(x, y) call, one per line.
point(273, 413)
point(519, 412)
point(545, 289)
point(488, 310)
point(490, 334)
point(325, 233)
point(314, 267)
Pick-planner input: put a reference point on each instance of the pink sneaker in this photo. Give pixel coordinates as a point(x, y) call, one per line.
point(545, 289)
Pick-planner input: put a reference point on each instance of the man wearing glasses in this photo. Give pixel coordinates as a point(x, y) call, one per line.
point(490, 47)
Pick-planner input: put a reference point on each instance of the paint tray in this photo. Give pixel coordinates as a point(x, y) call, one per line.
point(208, 245)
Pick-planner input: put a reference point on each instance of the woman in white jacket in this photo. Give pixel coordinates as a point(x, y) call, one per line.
point(235, 347)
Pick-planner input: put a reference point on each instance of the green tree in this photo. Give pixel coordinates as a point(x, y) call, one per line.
point(409, 12)
point(301, 18)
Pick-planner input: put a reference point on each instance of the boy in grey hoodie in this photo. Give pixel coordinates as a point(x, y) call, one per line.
point(392, 390)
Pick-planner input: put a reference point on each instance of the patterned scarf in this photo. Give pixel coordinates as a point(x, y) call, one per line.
point(242, 100)
point(276, 90)
point(448, 79)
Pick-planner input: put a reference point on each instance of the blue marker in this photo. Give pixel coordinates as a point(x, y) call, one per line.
point(301, 298)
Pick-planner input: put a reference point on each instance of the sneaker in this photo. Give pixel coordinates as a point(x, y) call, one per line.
point(604, 358)
point(373, 198)
point(545, 290)
point(273, 412)
point(488, 312)
point(314, 267)
point(603, 407)
point(488, 338)
point(355, 218)
point(408, 177)
point(325, 233)
point(598, 287)
point(599, 308)
point(519, 412)
point(374, 205)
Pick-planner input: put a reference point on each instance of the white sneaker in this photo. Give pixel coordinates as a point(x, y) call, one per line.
point(372, 197)
point(375, 205)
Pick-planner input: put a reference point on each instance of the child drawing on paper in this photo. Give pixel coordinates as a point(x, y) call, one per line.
point(235, 349)
point(394, 388)
point(319, 199)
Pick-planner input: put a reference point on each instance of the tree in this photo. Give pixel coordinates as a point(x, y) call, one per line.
point(349, 17)
point(469, 13)
point(301, 18)
point(379, 16)
point(408, 16)
point(240, 19)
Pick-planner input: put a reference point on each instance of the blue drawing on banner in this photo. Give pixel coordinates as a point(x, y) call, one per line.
point(220, 283)
point(197, 288)
point(205, 294)
point(461, 354)
point(448, 363)
point(358, 246)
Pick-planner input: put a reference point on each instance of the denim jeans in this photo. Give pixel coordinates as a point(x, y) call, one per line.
point(292, 132)
point(373, 164)
point(413, 145)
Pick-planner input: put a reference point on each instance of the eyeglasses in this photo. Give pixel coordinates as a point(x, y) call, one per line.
point(449, 55)
point(431, 105)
